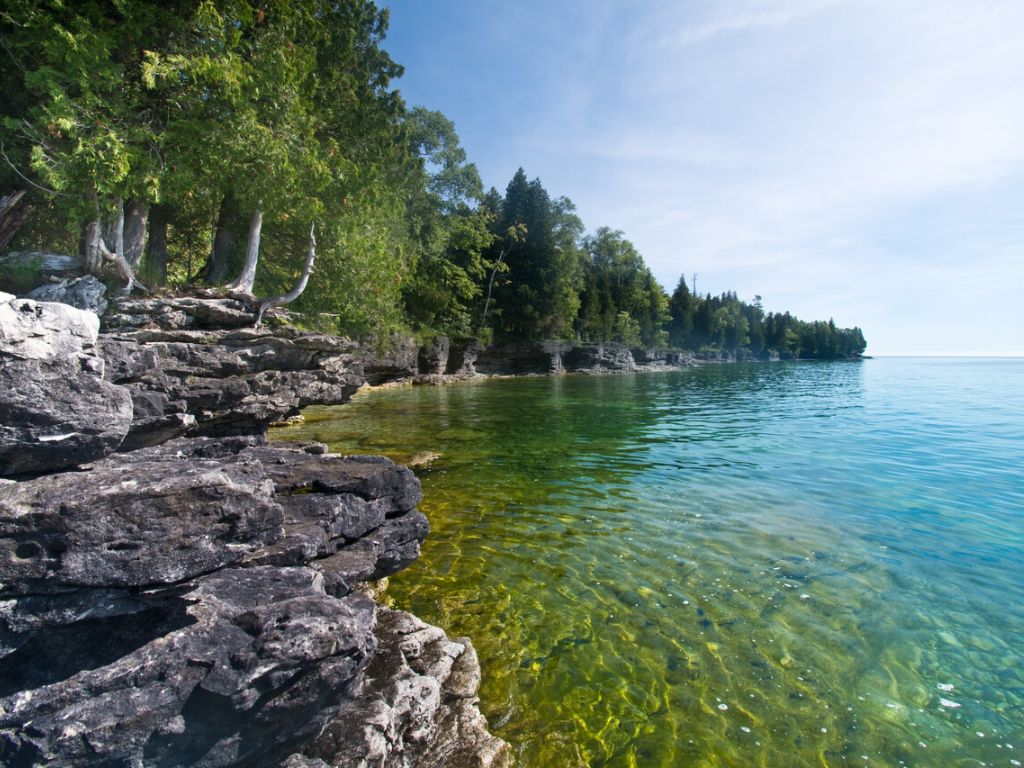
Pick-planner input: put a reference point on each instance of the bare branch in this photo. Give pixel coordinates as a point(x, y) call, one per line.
point(300, 286)
point(25, 178)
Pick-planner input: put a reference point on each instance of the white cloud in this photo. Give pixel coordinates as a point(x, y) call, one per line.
point(709, 20)
point(839, 157)
point(784, 156)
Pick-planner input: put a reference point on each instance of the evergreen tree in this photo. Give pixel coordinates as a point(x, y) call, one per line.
point(538, 296)
point(681, 308)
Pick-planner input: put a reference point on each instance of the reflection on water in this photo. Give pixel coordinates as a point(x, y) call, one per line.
point(743, 565)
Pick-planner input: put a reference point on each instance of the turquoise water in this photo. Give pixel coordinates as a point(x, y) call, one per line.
point(815, 564)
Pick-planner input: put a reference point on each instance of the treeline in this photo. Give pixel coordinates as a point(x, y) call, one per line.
point(726, 323)
point(187, 142)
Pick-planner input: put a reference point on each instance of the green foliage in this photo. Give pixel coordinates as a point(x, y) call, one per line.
point(21, 277)
point(448, 237)
point(77, 119)
point(537, 238)
point(724, 322)
point(212, 110)
point(615, 283)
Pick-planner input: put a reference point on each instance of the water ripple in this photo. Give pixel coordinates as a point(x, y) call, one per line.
point(796, 565)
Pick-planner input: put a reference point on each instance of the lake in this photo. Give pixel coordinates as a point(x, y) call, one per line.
point(796, 564)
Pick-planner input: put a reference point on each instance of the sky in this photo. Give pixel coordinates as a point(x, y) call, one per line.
point(861, 160)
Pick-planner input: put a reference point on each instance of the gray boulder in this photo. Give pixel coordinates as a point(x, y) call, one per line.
point(56, 410)
point(82, 292)
point(47, 332)
point(416, 707)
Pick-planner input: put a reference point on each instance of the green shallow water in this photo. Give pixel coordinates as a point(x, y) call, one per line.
point(742, 565)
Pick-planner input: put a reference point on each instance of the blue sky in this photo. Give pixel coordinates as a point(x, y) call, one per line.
point(855, 159)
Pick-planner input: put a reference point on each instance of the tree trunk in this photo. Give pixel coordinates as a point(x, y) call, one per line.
point(490, 285)
point(223, 242)
point(13, 213)
point(135, 216)
point(89, 246)
point(156, 253)
point(245, 280)
point(115, 228)
point(300, 286)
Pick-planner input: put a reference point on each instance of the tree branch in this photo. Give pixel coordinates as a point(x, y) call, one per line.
point(300, 286)
point(25, 178)
point(123, 267)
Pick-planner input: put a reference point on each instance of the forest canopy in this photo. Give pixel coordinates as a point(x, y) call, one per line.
point(197, 142)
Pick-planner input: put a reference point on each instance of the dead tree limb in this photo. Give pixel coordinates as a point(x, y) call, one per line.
point(300, 286)
point(116, 257)
point(122, 266)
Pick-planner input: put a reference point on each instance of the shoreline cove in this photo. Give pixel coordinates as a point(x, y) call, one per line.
point(178, 590)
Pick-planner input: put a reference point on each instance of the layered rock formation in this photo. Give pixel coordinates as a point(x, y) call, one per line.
point(194, 367)
point(199, 602)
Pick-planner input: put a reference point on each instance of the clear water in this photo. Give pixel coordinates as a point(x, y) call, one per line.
point(740, 565)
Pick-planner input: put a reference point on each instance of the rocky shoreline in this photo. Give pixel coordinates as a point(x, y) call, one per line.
point(176, 591)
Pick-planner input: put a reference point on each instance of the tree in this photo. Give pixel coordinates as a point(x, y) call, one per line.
point(682, 307)
point(538, 296)
point(615, 281)
point(448, 236)
point(78, 124)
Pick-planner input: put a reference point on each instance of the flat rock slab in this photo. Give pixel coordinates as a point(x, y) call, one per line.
point(215, 382)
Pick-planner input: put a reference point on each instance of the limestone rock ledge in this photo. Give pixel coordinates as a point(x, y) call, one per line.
point(194, 604)
point(56, 409)
point(417, 706)
point(202, 601)
point(224, 382)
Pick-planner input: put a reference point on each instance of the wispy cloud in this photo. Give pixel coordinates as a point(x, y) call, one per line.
point(836, 156)
point(708, 20)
